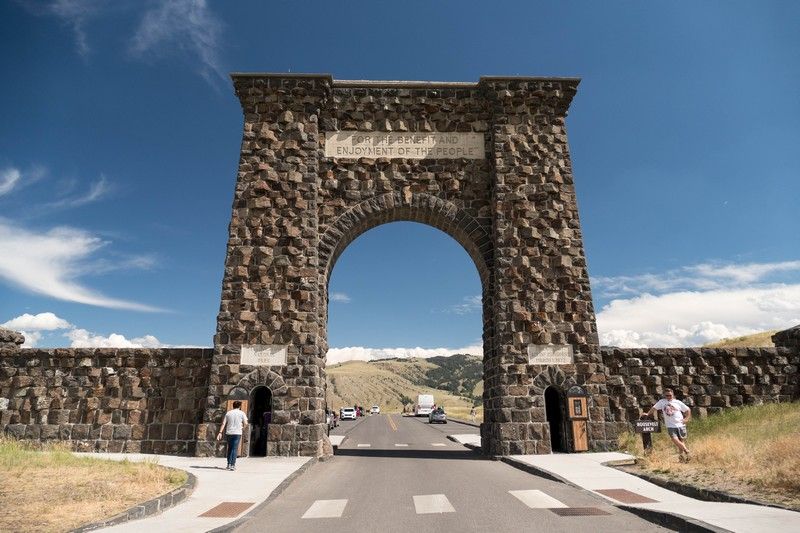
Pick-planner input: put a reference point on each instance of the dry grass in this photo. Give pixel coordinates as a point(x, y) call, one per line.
point(751, 451)
point(47, 488)
point(385, 383)
point(756, 340)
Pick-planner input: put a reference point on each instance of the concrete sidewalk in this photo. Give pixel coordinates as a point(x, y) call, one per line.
point(250, 485)
point(587, 471)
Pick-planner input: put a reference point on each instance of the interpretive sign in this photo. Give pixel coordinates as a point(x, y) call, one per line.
point(375, 145)
point(647, 426)
point(550, 354)
point(264, 355)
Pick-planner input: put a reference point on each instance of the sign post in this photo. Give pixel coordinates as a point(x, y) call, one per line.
point(646, 426)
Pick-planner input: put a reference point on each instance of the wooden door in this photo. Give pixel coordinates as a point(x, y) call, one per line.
point(228, 407)
point(579, 436)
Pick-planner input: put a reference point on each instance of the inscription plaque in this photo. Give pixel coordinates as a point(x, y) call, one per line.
point(264, 355)
point(550, 354)
point(374, 145)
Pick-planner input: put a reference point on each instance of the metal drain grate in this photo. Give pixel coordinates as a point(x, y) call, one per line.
point(227, 510)
point(625, 496)
point(579, 511)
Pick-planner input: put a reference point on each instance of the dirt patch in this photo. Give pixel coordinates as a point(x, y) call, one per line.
point(51, 490)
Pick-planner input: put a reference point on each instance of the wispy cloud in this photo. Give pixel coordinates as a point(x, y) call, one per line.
point(96, 191)
point(360, 353)
point(340, 297)
point(51, 263)
point(9, 177)
point(469, 304)
point(185, 25)
point(704, 276)
point(73, 13)
point(700, 303)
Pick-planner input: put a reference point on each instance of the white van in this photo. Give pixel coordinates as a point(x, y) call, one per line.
point(424, 405)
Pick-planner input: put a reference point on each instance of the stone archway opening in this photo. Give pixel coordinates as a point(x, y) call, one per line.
point(260, 416)
point(554, 409)
point(424, 252)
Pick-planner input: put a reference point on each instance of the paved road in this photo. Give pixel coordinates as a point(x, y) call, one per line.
point(395, 474)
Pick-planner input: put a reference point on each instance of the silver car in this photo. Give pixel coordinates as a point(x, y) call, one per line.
point(437, 416)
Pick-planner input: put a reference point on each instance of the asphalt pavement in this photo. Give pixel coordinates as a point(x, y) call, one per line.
point(399, 474)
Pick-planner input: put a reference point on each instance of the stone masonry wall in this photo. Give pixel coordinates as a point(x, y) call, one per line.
point(708, 380)
point(105, 400)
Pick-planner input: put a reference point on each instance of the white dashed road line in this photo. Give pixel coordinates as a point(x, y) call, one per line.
point(536, 499)
point(432, 503)
point(326, 509)
point(364, 445)
point(403, 445)
point(438, 444)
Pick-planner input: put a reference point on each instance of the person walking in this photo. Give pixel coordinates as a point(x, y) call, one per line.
point(676, 415)
point(472, 414)
point(233, 426)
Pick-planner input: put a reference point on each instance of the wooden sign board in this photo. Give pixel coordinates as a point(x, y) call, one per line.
point(647, 426)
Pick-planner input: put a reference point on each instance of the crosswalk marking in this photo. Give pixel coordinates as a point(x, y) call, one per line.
point(536, 499)
point(326, 509)
point(360, 445)
point(398, 444)
point(432, 503)
point(438, 444)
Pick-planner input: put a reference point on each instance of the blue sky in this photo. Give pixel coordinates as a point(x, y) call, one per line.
point(119, 138)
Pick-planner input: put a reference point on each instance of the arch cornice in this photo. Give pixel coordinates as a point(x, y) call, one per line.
point(413, 207)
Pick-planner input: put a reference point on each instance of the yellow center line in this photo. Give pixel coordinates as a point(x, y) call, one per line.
point(391, 422)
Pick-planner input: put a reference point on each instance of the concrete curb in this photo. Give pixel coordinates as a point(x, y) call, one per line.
point(699, 493)
point(670, 520)
point(230, 526)
point(148, 508)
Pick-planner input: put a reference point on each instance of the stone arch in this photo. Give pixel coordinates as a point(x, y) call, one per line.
point(551, 376)
point(261, 376)
point(413, 207)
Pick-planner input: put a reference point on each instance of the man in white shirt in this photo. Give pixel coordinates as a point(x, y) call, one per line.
point(233, 425)
point(676, 415)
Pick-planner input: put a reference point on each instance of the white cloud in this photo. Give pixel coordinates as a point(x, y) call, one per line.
point(73, 13)
point(360, 353)
point(469, 304)
point(39, 322)
point(32, 338)
point(702, 277)
point(51, 262)
point(185, 25)
point(9, 177)
point(81, 338)
point(692, 318)
point(97, 190)
point(340, 297)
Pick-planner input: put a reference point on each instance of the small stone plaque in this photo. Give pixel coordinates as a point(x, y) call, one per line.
point(550, 354)
point(404, 145)
point(264, 355)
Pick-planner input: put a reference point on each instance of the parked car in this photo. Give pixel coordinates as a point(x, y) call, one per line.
point(347, 413)
point(376, 410)
point(437, 416)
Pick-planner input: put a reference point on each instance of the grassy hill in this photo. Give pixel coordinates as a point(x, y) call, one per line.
point(391, 383)
point(756, 340)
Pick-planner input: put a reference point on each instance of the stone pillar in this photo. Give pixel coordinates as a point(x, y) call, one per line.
point(269, 291)
point(541, 292)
